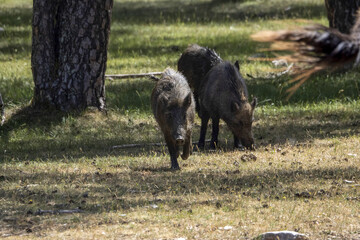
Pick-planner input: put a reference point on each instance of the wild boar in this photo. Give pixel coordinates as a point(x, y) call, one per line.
point(173, 106)
point(195, 63)
point(224, 96)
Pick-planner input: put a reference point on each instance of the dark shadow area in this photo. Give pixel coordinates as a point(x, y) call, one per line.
point(130, 94)
point(29, 117)
point(16, 33)
point(135, 94)
point(227, 1)
point(16, 90)
point(18, 16)
point(154, 169)
point(141, 187)
point(16, 48)
point(241, 46)
point(301, 129)
point(144, 12)
point(212, 11)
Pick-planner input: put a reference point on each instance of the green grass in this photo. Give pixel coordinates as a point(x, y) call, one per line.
point(307, 146)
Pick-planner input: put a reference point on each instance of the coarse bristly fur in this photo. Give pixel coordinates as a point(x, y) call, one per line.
point(315, 48)
point(195, 62)
point(173, 106)
point(224, 96)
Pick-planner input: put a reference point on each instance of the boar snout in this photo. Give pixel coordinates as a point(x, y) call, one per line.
point(179, 135)
point(179, 140)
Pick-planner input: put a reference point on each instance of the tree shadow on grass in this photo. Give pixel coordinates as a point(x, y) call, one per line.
point(76, 142)
point(235, 43)
point(299, 130)
point(124, 191)
point(130, 94)
point(29, 118)
point(17, 16)
point(155, 181)
point(210, 11)
point(144, 12)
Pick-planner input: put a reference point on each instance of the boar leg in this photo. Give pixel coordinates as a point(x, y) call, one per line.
point(174, 153)
point(237, 142)
point(187, 148)
point(215, 133)
point(204, 122)
point(197, 104)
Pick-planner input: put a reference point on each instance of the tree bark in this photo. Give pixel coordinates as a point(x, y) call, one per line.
point(342, 14)
point(69, 52)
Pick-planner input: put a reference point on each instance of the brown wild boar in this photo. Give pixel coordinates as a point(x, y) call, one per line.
point(224, 96)
point(195, 63)
point(173, 106)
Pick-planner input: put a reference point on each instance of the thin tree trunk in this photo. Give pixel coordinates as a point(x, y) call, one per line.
point(342, 14)
point(2, 111)
point(69, 52)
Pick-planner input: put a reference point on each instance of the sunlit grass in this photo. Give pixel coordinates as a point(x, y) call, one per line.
point(305, 176)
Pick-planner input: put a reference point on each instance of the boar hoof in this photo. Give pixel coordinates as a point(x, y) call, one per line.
point(184, 157)
point(175, 168)
point(199, 146)
point(239, 147)
point(213, 145)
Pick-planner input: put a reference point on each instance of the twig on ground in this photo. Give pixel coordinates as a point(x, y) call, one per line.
point(137, 145)
point(40, 212)
point(138, 75)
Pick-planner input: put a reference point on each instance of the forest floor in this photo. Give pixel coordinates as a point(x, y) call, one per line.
point(304, 175)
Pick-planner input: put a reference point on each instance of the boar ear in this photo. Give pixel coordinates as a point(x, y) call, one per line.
point(235, 107)
point(237, 65)
point(187, 100)
point(254, 103)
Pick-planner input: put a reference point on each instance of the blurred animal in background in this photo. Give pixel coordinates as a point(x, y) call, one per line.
point(314, 48)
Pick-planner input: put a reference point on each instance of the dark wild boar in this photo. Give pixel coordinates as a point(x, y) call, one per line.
point(173, 106)
point(224, 96)
point(194, 64)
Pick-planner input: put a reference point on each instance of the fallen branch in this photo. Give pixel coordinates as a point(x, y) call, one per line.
point(137, 145)
point(144, 145)
point(139, 75)
point(41, 212)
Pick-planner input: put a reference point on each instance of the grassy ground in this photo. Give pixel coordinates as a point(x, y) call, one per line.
point(305, 176)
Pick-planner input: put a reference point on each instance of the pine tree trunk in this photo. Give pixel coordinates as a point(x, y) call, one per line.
point(69, 52)
point(342, 14)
